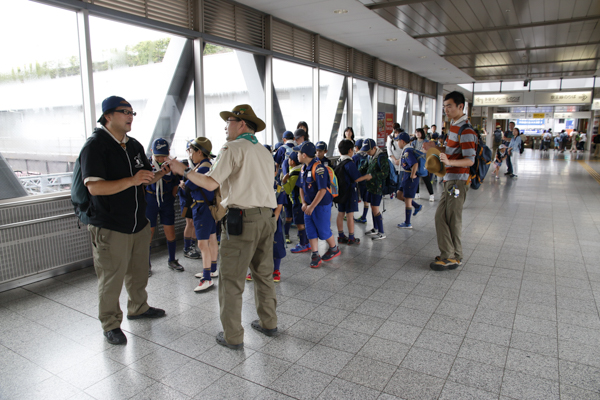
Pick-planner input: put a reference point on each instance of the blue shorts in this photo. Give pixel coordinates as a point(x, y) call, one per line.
point(166, 210)
point(279, 242)
point(362, 190)
point(204, 223)
point(298, 214)
point(351, 205)
point(288, 210)
point(373, 199)
point(409, 187)
point(318, 225)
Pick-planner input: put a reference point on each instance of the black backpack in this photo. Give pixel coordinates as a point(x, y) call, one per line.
point(498, 137)
point(80, 196)
point(521, 147)
point(344, 187)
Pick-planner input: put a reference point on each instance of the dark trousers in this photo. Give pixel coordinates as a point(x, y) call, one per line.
point(427, 180)
point(509, 164)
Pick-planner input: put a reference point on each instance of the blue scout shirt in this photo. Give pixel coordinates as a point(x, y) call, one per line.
point(281, 152)
point(195, 189)
point(408, 160)
point(312, 184)
point(170, 181)
point(351, 172)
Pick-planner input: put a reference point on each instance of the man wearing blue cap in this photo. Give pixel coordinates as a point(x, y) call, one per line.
point(361, 158)
point(114, 167)
point(321, 151)
point(160, 200)
point(379, 168)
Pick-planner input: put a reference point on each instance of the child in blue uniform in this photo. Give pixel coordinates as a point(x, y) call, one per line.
point(160, 200)
point(185, 204)
point(291, 184)
point(410, 180)
point(316, 203)
point(360, 158)
point(321, 152)
point(206, 227)
point(350, 206)
point(379, 168)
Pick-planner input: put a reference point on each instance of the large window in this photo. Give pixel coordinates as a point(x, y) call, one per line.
point(293, 99)
point(386, 110)
point(41, 113)
point(333, 106)
point(231, 77)
point(404, 112)
point(362, 108)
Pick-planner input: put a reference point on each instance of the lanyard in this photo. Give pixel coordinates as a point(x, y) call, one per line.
point(248, 136)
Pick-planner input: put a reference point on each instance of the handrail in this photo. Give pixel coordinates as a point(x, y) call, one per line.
point(36, 221)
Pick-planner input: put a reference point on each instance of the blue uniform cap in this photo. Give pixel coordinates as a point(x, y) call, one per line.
point(288, 135)
point(277, 146)
point(321, 145)
point(160, 147)
point(268, 148)
point(403, 136)
point(294, 156)
point(359, 143)
point(368, 144)
point(435, 135)
point(307, 148)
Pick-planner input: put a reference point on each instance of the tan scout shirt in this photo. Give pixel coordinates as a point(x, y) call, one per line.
point(246, 174)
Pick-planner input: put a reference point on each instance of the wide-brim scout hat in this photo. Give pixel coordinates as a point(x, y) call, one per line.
point(203, 144)
point(245, 112)
point(433, 163)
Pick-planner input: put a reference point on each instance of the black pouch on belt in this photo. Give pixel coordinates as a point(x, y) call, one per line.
point(235, 221)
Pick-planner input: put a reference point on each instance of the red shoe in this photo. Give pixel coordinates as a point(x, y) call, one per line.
point(249, 277)
point(276, 276)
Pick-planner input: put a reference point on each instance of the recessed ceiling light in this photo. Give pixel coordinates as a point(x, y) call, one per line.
point(443, 69)
point(517, 39)
point(391, 39)
point(341, 11)
point(422, 56)
point(507, 10)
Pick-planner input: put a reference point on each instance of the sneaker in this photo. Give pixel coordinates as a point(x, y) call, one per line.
point(267, 332)
point(276, 276)
point(514, 176)
point(175, 266)
point(508, 173)
point(343, 239)
point(191, 252)
point(457, 260)
point(404, 225)
point(379, 236)
point(214, 274)
point(249, 277)
point(497, 177)
point(315, 261)
point(361, 220)
point(431, 198)
point(417, 196)
point(353, 241)
point(150, 313)
point(345, 218)
point(372, 232)
point(301, 248)
point(442, 265)
point(287, 239)
point(203, 285)
point(417, 209)
point(221, 340)
point(115, 336)
point(331, 254)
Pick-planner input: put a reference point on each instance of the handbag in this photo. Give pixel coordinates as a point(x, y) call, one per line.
point(216, 209)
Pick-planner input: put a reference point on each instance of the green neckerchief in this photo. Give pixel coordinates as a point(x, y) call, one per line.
point(248, 136)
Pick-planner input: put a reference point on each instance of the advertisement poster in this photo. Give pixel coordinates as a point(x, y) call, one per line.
point(381, 129)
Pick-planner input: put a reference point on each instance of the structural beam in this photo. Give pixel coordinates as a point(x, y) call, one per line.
point(398, 3)
point(508, 27)
point(547, 75)
point(530, 63)
point(558, 46)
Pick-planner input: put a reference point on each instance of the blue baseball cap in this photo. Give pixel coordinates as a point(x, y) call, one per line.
point(288, 135)
point(359, 143)
point(307, 148)
point(368, 144)
point(277, 146)
point(160, 147)
point(321, 145)
point(268, 147)
point(435, 135)
point(112, 102)
point(403, 136)
point(294, 156)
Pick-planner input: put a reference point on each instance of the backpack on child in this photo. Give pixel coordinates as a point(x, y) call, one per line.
point(421, 171)
point(483, 159)
point(344, 187)
point(392, 181)
point(333, 187)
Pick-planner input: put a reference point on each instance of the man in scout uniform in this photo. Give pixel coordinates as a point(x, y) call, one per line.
point(244, 171)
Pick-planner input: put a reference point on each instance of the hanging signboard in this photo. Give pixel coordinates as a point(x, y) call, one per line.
point(563, 98)
point(498, 99)
point(573, 115)
point(596, 104)
point(509, 115)
point(476, 112)
point(538, 115)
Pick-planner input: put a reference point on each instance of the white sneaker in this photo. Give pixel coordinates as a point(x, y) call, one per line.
point(417, 196)
point(199, 275)
point(372, 232)
point(431, 198)
point(214, 274)
point(379, 236)
point(204, 285)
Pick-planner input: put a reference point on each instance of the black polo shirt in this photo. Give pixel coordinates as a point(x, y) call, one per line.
point(103, 157)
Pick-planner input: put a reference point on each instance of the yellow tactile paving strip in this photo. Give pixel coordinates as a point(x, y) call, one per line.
point(590, 170)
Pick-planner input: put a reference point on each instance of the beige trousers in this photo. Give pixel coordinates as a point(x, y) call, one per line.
point(448, 220)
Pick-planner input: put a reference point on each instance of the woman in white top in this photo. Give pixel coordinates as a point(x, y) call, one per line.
point(417, 144)
point(393, 150)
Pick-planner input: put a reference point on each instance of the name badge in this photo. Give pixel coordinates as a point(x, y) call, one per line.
point(309, 174)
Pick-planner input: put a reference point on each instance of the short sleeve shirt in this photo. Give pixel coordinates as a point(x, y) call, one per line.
point(351, 173)
point(312, 184)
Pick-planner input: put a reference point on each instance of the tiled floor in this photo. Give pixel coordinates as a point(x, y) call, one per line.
point(518, 321)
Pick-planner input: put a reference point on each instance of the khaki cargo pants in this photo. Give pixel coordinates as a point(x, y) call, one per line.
point(448, 220)
point(254, 249)
point(120, 257)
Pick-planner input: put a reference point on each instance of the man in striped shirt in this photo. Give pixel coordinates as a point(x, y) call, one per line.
point(458, 156)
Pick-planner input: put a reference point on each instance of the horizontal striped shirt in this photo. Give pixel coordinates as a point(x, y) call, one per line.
point(458, 148)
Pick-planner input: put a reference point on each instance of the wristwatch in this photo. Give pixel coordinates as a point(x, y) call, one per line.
point(185, 173)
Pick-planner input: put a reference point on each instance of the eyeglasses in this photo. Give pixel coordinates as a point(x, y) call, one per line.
point(126, 112)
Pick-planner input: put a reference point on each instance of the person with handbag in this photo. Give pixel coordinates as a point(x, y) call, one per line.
point(199, 151)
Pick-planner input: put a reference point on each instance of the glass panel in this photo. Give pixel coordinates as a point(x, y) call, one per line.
point(429, 111)
point(231, 77)
point(186, 129)
point(333, 105)
point(417, 99)
point(41, 108)
point(542, 85)
point(293, 85)
point(362, 109)
point(403, 109)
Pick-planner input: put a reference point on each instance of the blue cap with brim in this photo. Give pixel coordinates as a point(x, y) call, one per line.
point(368, 144)
point(277, 146)
point(160, 147)
point(294, 156)
point(321, 145)
point(288, 135)
point(359, 143)
point(403, 136)
point(307, 148)
point(268, 147)
point(112, 102)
